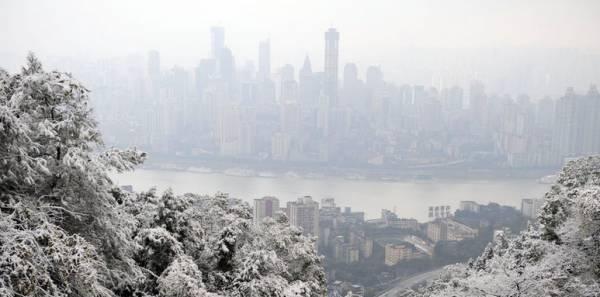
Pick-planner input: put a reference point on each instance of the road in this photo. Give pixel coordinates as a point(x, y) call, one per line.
point(409, 282)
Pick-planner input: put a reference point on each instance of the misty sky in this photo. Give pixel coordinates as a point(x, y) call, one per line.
point(372, 32)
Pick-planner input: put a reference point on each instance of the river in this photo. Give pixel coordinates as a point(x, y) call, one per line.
point(410, 199)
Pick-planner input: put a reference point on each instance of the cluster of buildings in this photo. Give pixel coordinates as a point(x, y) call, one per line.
point(346, 237)
point(302, 213)
point(330, 114)
point(530, 207)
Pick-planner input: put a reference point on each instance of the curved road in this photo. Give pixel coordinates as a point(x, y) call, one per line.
point(409, 282)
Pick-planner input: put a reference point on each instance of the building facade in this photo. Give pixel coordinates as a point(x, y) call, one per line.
point(267, 206)
point(531, 207)
point(332, 38)
point(304, 213)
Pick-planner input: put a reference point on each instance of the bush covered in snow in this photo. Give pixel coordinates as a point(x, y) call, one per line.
point(65, 230)
point(559, 256)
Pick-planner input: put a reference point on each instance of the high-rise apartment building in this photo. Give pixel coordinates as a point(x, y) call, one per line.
point(577, 124)
point(265, 207)
point(280, 146)
point(304, 213)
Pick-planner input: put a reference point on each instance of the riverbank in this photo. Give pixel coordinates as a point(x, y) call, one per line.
point(410, 198)
point(270, 169)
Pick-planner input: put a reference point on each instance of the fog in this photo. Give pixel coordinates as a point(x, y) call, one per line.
point(415, 42)
point(299, 148)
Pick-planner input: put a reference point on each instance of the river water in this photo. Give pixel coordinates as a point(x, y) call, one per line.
point(410, 199)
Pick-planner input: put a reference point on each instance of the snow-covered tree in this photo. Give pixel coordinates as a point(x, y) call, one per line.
point(40, 259)
point(233, 256)
point(65, 230)
point(559, 256)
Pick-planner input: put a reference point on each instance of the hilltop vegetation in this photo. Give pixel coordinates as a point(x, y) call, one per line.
point(559, 256)
point(66, 230)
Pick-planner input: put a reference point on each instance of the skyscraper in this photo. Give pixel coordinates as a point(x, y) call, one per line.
point(264, 60)
point(217, 41)
point(288, 87)
point(154, 72)
point(332, 38)
point(576, 122)
point(478, 107)
point(308, 87)
point(203, 74)
point(591, 130)
point(153, 64)
point(353, 91)
point(374, 77)
point(225, 65)
point(265, 207)
point(304, 213)
point(350, 75)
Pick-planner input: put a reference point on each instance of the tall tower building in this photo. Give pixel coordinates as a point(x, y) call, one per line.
point(478, 107)
point(203, 74)
point(217, 41)
point(576, 124)
point(154, 72)
point(374, 77)
point(304, 213)
point(153, 64)
point(265, 207)
point(350, 75)
point(332, 38)
point(591, 127)
point(308, 87)
point(288, 87)
point(225, 65)
point(568, 125)
point(264, 60)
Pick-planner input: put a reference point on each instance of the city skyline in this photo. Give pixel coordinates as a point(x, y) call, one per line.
point(302, 148)
point(332, 114)
point(277, 19)
point(467, 40)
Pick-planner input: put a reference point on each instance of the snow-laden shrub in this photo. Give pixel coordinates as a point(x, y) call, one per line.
point(65, 230)
point(560, 256)
point(182, 279)
point(157, 248)
point(39, 259)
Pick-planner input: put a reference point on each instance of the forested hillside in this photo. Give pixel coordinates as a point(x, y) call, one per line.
point(557, 256)
point(66, 230)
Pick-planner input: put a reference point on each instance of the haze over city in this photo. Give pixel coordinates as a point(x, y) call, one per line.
point(416, 42)
point(299, 148)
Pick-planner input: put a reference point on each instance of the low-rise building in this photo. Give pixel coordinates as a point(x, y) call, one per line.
point(471, 206)
point(398, 252)
point(437, 230)
point(345, 252)
point(407, 224)
point(449, 229)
